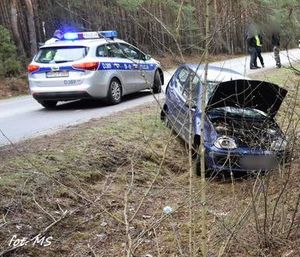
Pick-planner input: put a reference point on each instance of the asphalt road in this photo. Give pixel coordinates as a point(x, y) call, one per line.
point(22, 117)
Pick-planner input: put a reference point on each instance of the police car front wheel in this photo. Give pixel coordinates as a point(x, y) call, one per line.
point(157, 83)
point(114, 95)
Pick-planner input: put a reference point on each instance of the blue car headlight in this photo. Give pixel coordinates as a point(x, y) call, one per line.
point(225, 142)
point(279, 144)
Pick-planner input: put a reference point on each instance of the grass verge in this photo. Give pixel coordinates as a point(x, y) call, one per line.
point(99, 188)
point(10, 87)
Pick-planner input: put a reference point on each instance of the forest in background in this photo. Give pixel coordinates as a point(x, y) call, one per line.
point(100, 188)
point(157, 26)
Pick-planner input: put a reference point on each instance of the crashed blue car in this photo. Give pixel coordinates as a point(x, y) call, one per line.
point(240, 133)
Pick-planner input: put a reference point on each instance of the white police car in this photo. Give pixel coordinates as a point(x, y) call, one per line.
point(91, 65)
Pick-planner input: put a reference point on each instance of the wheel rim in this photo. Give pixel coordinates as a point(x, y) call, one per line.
point(115, 91)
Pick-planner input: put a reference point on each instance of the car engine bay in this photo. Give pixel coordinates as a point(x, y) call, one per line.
point(248, 132)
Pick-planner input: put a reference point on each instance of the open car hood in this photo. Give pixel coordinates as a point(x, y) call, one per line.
point(261, 95)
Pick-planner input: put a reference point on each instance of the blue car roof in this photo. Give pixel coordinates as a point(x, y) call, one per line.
point(200, 68)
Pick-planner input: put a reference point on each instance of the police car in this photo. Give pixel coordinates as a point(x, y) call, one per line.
point(91, 65)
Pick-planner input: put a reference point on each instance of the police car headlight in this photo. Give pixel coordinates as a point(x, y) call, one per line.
point(225, 143)
point(279, 144)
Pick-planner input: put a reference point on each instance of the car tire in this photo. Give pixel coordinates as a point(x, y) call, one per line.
point(164, 117)
point(114, 95)
point(156, 88)
point(48, 104)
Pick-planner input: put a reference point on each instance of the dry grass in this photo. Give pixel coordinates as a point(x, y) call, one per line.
point(10, 87)
point(86, 170)
point(169, 61)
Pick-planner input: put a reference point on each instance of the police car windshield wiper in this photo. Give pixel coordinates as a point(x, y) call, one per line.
point(62, 61)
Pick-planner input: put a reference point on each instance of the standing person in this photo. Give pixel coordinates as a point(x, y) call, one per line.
point(251, 41)
point(258, 40)
point(276, 48)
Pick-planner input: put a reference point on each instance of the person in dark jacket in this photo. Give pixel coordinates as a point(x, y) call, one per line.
point(276, 48)
point(251, 41)
point(258, 40)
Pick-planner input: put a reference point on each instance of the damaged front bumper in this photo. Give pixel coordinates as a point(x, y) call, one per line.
point(244, 160)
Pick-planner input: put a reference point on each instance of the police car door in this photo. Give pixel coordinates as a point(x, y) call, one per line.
point(139, 67)
point(122, 67)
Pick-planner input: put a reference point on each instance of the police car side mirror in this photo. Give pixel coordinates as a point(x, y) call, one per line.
point(146, 57)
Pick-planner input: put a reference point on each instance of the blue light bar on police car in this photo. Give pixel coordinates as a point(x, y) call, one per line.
point(109, 34)
point(90, 35)
point(81, 35)
point(71, 36)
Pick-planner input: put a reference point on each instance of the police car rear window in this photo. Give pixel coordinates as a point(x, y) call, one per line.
point(61, 54)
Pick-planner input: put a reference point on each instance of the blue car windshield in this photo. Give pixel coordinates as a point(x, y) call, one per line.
point(210, 89)
point(239, 112)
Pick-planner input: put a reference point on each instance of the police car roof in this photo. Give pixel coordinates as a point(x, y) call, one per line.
point(83, 42)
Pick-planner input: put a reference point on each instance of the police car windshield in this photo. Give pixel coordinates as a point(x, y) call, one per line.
point(61, 54)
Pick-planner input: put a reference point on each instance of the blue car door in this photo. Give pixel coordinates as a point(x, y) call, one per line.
point(188, 104)
point(177, 100)
point(173, 99)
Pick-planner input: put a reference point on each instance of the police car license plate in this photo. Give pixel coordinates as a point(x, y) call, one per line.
point(57, 74)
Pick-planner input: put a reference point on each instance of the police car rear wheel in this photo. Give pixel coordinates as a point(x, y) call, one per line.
point(114, 92)
point(156, 83)
point(48, 104)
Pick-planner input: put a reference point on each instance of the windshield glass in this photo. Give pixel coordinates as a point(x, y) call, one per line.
point(211, 87)
point(239, 112)
point(61, 54)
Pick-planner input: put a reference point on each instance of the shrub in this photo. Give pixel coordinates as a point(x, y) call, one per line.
point(9, 64)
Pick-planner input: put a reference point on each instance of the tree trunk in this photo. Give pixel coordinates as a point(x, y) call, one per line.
point(15, 28)
point(31, 27)
point(204, 238)
point(162, 34)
